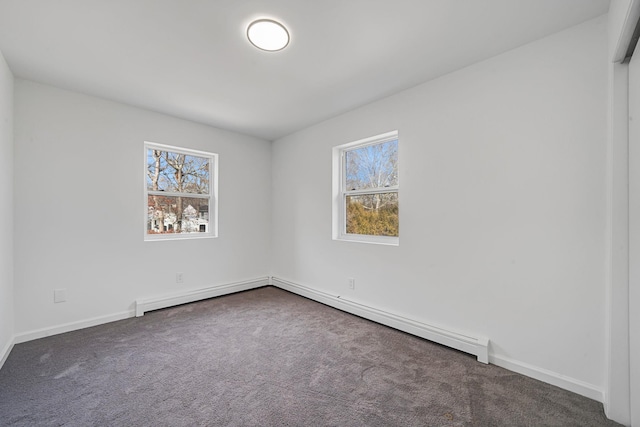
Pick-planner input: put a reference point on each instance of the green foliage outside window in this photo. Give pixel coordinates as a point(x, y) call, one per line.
point(364, 218)
point(371, 189)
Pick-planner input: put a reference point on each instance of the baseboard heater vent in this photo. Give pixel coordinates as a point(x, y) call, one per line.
point(148, 304)
point(478, 346)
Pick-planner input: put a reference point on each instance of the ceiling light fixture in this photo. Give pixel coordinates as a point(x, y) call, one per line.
point(268, 35)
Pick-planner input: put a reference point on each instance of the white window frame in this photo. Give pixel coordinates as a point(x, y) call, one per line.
point(212, 196)
point(340, 194)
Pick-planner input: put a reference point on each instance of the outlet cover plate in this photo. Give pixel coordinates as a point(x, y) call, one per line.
point(59, 295)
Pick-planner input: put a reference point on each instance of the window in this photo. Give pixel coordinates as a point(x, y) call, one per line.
point(180, 193)
point(365, 184)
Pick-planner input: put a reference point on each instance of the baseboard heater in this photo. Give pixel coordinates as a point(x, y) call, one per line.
point(148, 304)
point(478, 346)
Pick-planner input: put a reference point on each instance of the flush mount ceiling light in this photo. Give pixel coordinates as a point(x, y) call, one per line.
point(267, 34)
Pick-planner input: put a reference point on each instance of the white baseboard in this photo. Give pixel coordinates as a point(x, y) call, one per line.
point(6, 350)
point(154, 303)
point(576, 386)
point(71, 326)
point(142, 305)
point(478, 346)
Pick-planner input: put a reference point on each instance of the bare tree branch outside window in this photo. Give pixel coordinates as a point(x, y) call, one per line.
point(178, 192)
point(372, 167)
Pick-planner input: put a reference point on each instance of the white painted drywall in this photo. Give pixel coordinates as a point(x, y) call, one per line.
point(634, 239)
point(617, 390)
point(621, 22)
point(6, 207)
point(79, 171)
point(502, 205)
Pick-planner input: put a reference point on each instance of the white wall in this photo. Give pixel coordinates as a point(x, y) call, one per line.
point(6, 209)
point(634, 240)
point(621, 22)
point(79, 208)
point(502, 206)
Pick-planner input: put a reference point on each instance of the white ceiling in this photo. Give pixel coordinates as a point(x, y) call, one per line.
point(191, 58)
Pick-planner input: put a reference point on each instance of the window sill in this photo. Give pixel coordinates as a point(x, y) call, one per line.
point(376, 240)
point(164, 237)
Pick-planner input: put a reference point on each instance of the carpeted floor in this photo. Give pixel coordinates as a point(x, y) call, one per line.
point(267, 358)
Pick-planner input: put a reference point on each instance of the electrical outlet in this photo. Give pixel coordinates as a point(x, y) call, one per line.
point(59, 295)
point(352, 283)
point(179, 277)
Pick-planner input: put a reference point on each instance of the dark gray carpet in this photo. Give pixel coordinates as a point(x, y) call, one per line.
point(267, 358)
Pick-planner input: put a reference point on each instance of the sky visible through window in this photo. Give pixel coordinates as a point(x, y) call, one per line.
point(178, 186)
point(177, 172)
point(372, 167)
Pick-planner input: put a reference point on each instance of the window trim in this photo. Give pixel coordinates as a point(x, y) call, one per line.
point(339, 222)
point(213, 194)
